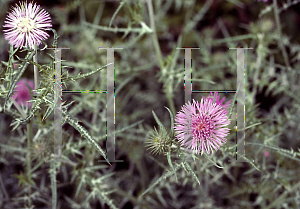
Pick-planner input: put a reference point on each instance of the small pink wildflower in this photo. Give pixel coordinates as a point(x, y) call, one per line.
point(200, 126)
point(26, 22)
point(21, 93)
point(266, 154)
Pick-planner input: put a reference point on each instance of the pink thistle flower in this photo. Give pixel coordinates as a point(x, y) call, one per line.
point(21, 93)
point(200, 126)
point(266, 154)
point(26, 22)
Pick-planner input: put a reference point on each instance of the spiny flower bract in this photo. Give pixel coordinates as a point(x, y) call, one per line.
point(199, 127)
point(26, 22)
point(158, 142)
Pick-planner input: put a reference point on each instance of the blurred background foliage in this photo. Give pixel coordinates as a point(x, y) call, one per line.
point(144, 84)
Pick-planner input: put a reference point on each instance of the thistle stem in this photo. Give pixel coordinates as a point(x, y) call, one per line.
point(29, 126)
point(169, 95)
point(29, 140)
point(277, 19)
point(36, 70)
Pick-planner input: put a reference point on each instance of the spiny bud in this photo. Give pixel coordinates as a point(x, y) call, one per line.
point(158, 142)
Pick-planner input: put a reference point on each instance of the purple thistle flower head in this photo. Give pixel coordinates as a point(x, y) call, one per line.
point(26, 22)
point(201, 126)
point(22, 94)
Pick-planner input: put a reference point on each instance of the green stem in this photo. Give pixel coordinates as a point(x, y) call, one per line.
point(154, 36)
point(29, 141)
point(29, 128)
point(169, 94)
point(36, 70)
point(171, 103)
point(53, 183)
point(90, 151)
point(284, 53)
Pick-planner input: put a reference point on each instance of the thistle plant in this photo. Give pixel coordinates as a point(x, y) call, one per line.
point(174, 154)
point(26, 25)
point(199, 127)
